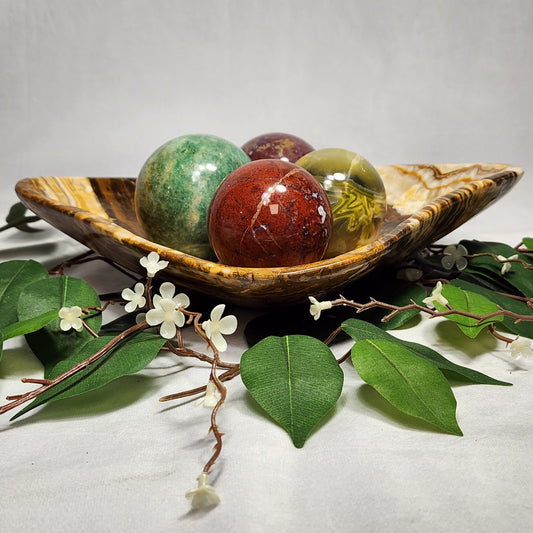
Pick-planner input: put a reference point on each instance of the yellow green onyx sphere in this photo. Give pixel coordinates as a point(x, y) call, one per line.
point(356, 194)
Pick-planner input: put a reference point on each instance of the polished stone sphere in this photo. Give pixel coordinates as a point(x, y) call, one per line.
point(356, 193)
point(277, 146)
point(176, 185)
point(269, 213)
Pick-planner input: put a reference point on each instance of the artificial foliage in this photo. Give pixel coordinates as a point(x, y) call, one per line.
point(290, 370)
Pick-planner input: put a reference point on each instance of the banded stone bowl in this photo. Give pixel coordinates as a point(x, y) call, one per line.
point(425, 202)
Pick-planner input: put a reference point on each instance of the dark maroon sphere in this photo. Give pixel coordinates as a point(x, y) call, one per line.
point(277, 146)
point(269, 213)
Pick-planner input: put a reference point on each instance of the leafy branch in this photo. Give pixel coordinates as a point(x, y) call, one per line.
point(73, 330)
point(433, 313)
point(294, 377)
point(47, 384)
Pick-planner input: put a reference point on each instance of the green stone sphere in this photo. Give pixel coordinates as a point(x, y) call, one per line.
point(356, 194)
point(176, 185)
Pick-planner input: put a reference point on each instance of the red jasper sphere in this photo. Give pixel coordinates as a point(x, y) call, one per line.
point(282, 146)
point(269, 213)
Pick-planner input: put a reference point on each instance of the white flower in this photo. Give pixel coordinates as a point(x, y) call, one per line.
point(454, 255)
point(317, 307)
point(212, 395)
point(135, 298)
point(506, 265)
point(71, 318)
point(436, 296)
point(521, 347)
point(167, 310)
point(203, 496)
point(217, 326)
point(152, 264)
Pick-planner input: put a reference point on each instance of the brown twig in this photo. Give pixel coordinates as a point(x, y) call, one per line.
point(343, 358)
point(85, 257)
point(525, 264)
point(214, 426)
point(226, 376)
point(48, 384)
point(498, 335)
point(183, 351)
point(432, 312)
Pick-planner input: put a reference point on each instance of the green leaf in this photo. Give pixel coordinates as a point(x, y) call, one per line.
point(51, 344)
point(523, 328)
point(414, 386)
point(528, 243)
point(470, 302)
point(359, 330)
point(295, 379)
point(400, 296)
point(14, 277)
point(518, 279)
point(29, 326)
point(129, 356)
point(17, 218)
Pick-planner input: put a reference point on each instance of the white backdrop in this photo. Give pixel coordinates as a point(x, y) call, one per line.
point(92, 87)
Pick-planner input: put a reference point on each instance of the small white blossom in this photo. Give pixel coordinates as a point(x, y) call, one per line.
point(454, 255)
point(211, 398)
point(217, 326)
point(152, 264)
point(203, 496)
point(167, 310)
point(436, 296)
point(506, 264)
point(521, 347)
point(317, 307)
point(134, 298)
point(71, 318)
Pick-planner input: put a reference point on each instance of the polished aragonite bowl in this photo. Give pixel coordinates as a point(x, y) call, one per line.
point(425, 202)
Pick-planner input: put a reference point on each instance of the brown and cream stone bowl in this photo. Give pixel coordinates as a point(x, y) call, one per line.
point(424, 203)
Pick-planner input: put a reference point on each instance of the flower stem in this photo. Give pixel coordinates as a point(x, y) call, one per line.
point(48, 384)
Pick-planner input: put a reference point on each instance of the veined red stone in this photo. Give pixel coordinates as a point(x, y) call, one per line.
point(269, 213)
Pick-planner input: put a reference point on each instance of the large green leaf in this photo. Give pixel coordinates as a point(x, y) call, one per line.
point(523, 328)
point(51, 344)
point(359, 330)
point(295, 379)
point(14, 276)
point(517, 279)
point(412, 385)
point(129, 356)
point(470, 302)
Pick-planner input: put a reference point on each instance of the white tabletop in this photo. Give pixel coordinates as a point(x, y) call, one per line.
point(118, 460)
